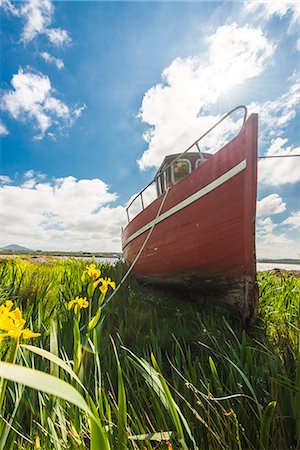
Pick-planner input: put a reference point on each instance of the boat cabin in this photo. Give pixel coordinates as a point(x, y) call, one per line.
point(177, 166)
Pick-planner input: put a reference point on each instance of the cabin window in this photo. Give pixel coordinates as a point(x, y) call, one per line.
point(180, 169)
point(159, 189)
point(164, 181)
point(161, 182)
point(158, 186)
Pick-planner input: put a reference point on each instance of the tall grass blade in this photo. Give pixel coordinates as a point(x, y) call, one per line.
point(122, 409)
point(214, 372)
point(265, 426)
point(160, 436)
point(248, 384)
point(54, 359)
point(55, 386)
point(53, 435)
point(99, 439)
point(8, 425)
point(45, 383)
point(159, 385)
point(54, 370)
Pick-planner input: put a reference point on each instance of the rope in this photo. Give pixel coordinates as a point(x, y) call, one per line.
point(140, 251)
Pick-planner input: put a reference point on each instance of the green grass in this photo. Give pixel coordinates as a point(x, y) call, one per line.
point(158, 371)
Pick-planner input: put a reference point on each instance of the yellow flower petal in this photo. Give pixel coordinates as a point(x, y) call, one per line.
point(8, 304)
point(70, 304)
point(95, 284)
point(16, 315)
point(7, 307)
point(12, 322)
point(105, 283)
point(93, 272)
point(112, 283)
point(2, 335)
point(78, 303)
point(28, 334)
point(103, 289)
point(84, 304)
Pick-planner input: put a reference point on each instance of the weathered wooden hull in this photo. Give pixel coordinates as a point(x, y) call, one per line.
point(204, 238)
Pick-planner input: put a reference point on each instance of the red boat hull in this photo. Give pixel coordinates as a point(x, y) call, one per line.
point(204, 238)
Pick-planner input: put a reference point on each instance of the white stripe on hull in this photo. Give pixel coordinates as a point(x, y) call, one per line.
point(192, 198)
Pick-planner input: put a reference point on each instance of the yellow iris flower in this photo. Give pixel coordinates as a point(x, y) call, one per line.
point(7, 306)
point(105, 283)
point(13, 323)
point(92, 272)
point(78, 303)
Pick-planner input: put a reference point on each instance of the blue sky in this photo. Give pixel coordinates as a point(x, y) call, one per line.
point(94, 94)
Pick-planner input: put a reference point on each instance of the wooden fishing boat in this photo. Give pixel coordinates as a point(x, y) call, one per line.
point(199, 231)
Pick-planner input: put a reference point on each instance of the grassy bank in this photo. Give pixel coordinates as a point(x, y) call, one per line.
point(149, 370)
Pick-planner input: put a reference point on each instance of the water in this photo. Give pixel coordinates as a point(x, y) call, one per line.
point(109, 260)
point(260, 267)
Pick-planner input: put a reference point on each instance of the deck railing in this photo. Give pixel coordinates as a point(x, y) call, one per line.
point(196, 143)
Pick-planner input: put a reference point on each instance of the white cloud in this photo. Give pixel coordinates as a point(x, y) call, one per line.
point(265, 227)
point(277, 246)
point(190, 85)
point(266, 9)
point(31, 99)
point(276, 240)
point(5, 179)
point(29, 174)
point(9, 7)
point(52, 60)
point(293, 221)
point(28, 184)
point(3, 130)
point(58, 36)
point(279, 171)
point(37, 17)
point(298, 45)
point(237, 54)
point(276, 114)
point(67, 214)
point(31, 178)
point(271, 243)
point(272, 204)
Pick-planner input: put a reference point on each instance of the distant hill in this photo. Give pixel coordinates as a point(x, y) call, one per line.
point(15, 247)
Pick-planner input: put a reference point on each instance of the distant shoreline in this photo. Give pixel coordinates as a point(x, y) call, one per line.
point(113, 255)
point(4, 252)
point(279, 261)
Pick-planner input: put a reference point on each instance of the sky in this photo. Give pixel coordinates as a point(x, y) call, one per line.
point(94, 94)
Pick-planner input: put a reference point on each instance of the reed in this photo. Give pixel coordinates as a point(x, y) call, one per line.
point(150, 370)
